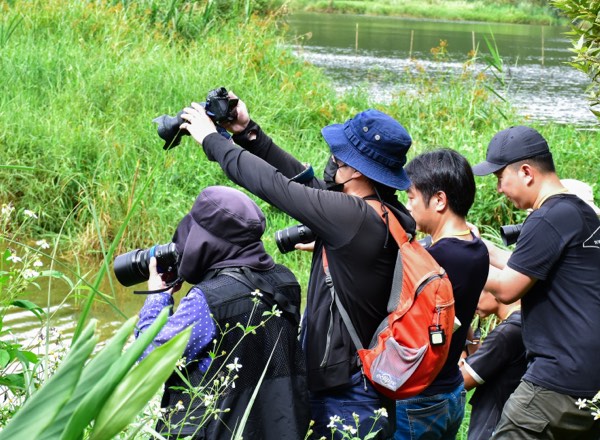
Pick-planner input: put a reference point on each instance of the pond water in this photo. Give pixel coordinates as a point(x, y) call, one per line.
point(376, 51)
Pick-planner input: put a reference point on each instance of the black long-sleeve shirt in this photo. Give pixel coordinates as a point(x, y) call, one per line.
point(352, 233)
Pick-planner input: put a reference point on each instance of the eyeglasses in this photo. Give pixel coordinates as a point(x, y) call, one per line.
point(338, 166)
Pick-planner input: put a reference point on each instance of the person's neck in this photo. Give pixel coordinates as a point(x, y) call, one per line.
point(549, 187)
point(451, 226)
point(359, 188)
point(505, 310)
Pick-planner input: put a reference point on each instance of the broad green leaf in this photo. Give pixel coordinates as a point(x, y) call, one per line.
point(42, 407)
point(32, 307)
point(13, 381)
point(115, 371)
point(91, 375)
point(4, 358)
point(26, 357)
point(138, 387)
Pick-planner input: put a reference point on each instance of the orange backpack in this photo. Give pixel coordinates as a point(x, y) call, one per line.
point(411, 345)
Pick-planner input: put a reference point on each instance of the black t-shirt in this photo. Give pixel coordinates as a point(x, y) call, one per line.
point(559, 246)
point(497, 367)
point(467, 266)
point(353, 234)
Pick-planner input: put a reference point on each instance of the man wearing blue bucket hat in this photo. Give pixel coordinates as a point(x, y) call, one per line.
point(367, 157)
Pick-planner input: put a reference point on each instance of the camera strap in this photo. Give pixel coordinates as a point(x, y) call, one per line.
point(169, 285)
point(270, 295)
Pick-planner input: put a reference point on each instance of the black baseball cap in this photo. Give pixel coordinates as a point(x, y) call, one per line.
point(510, 146)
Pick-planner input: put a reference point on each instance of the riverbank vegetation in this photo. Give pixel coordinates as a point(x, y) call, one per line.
point(505, 11)
point(81, 82)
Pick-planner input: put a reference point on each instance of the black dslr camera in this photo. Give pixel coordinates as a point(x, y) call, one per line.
point(287, 238)
point(510, 233)
point(133, 267)
point(219, 107)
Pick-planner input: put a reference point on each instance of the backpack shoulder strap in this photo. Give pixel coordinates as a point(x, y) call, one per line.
point(253, 281)
point(389, 219)
point(340, 306)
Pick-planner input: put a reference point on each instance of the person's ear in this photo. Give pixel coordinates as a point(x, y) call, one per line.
point(527, 173)
point(440, 201)
point(356, 174)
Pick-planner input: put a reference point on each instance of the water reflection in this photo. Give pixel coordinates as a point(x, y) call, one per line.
point(375, 51)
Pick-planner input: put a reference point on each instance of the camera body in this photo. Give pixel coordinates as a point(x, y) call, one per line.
point(287, 238)
point(219, 107)
point(510, 233)
point(133, 267)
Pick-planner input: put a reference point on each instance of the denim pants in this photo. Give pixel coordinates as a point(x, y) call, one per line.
point(430, 417)
point(349, 402)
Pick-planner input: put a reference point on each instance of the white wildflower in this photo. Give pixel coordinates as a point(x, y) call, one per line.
point(581, 403)
point(235, 365)
point(42, 244)
point(333, 420)
point(7, 210)
point(382, 412)
point(14, 258)
point(257, 293)
point(277, 312)
point(37, 263)
point(180, 364)
point(208, 399)
point(30, 213)
point(350, 429)
point(596, 414)
point(30, 273)
point(596, 397)
point(355, 417)
point(179, 406)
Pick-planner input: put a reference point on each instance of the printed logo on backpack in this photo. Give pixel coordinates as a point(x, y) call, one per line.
point(411, 345)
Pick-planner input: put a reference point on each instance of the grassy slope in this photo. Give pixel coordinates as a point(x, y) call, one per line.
point(81, 82)
point(474, 10)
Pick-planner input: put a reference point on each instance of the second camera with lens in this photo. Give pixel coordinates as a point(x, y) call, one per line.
point(219, 107)
point(133, 267)
point(510, 233)
point(288, 238)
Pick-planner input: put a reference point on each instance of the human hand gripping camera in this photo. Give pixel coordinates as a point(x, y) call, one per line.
point(220, 106)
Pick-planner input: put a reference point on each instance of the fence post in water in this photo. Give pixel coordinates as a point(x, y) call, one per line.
point(542, 45)
point(473, 41)
point(356, 39)
point(412, 35)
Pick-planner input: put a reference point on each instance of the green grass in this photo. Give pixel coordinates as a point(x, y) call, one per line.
point(533, 12)
point(81, 82)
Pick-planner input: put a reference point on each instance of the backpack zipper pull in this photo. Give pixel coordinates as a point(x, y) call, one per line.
point(364, 378)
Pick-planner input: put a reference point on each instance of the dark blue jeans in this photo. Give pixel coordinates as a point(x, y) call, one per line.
point(348, 403)
point(430, 417)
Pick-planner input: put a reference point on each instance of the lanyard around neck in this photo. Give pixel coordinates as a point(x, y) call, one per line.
point(547, 196)
point(457, 234)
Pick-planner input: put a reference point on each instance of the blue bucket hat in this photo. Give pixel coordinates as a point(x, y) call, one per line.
point(374, 144)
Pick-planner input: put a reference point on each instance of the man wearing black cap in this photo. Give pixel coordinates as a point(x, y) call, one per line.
point(367, 156)
point(235, 284)
point(555, 270)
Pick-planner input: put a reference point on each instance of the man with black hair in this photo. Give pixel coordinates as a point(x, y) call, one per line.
point(367, 156)
point(555, 271)
point(441, 193)
point(235, 284)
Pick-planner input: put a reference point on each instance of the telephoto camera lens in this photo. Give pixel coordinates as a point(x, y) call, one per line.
point(287, 238)
point(133, 267)
point(510, 233)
